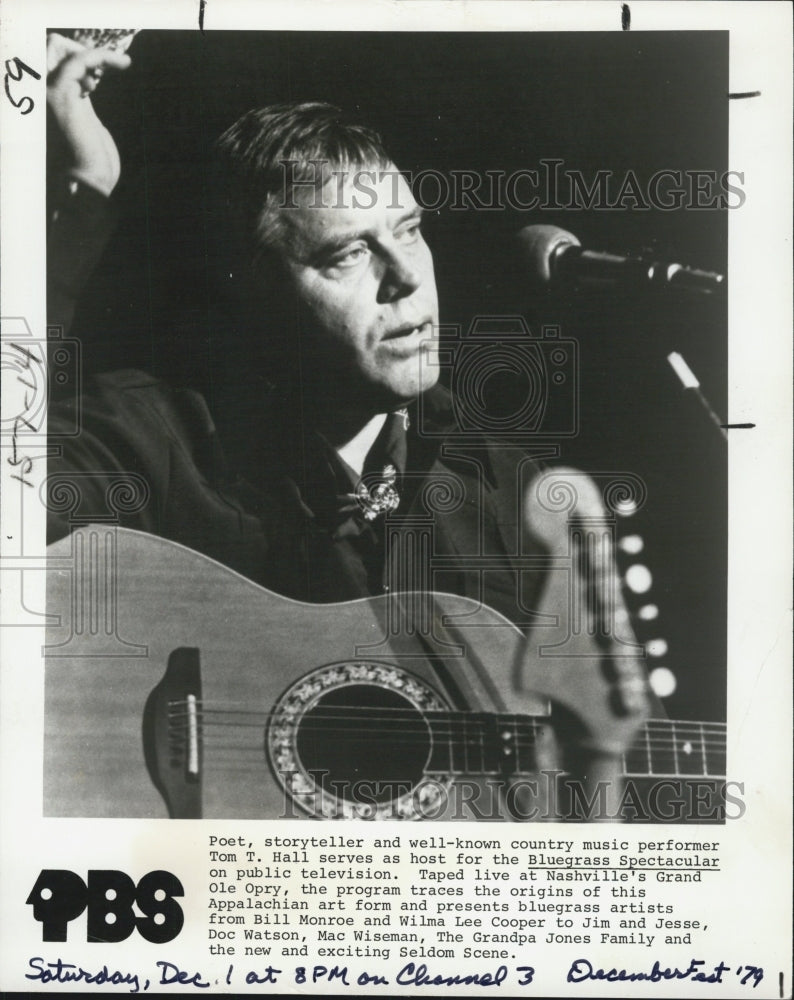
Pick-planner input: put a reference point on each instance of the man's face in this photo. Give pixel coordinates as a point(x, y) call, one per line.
point(364, 280)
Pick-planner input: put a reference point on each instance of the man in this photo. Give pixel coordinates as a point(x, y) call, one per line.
point(316, 439)
point(323, 462)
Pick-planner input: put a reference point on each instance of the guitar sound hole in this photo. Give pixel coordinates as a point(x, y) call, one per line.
point(363, 743)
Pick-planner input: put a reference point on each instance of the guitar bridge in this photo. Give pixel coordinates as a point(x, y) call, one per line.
point(172, 734)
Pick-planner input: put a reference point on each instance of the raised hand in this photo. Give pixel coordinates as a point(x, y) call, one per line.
point(73, 72)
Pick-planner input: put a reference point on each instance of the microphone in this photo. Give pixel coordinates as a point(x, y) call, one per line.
point(556, 257)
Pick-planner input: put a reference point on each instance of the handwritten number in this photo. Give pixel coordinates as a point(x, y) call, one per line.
point(752, 972)
point(22, 67)
point(15, 69)
point(24, 463)
point(528, 973)
point(25, 354)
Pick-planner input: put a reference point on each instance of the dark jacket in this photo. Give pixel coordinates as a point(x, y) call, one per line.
point(263, 500)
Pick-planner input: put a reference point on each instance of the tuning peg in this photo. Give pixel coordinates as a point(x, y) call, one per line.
point(663, 681)
point(631, 544)
point(638, 578)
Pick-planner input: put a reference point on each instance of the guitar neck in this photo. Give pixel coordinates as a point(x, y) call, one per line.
point(666, 748)
point(482, 744)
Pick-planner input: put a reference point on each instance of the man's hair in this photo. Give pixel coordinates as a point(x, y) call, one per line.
point(255, 165)
point(262, 156)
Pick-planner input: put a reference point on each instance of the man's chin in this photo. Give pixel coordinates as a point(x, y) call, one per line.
point(405, 392)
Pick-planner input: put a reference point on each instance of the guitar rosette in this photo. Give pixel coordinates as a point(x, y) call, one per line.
point(351, 740)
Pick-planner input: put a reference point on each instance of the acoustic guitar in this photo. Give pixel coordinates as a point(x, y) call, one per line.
point(176, 687)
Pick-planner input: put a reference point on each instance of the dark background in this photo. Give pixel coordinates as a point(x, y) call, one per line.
point(619, 101)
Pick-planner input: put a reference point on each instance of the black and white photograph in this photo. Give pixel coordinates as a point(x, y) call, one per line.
point(376, 449)
point(367, 318)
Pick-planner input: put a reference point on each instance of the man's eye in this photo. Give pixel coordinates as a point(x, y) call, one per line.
point(411, 232)
point(349, 257)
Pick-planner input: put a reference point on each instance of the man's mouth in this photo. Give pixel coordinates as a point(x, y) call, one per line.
point(421, 331)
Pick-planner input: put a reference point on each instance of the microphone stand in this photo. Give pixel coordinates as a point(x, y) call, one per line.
point(691, 384)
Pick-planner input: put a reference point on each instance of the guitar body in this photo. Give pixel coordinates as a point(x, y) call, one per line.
point(174, 687)
point(127, 605)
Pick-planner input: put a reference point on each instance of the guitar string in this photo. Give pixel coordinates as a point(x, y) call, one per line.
point(674, 735)
point(420, 726)
point(413, 736)
point(345, 723)
point(348, 723)
point(341, 724)
point(460, 741)
point(237, 764)
point(406, 736)
point(354, 713)
point(674, 727)
point(234, 708)
point(251, 758)
point(713, 766)
point(464, 741)
point(395, 736)
point(442, 728)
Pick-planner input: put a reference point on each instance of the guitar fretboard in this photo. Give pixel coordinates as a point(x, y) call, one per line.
point(479, 743)
point(483, 744)
point(666, 748)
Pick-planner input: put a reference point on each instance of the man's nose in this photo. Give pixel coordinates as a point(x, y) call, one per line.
point(402, 275)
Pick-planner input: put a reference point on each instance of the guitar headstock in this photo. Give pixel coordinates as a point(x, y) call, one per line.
point(583, 654)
